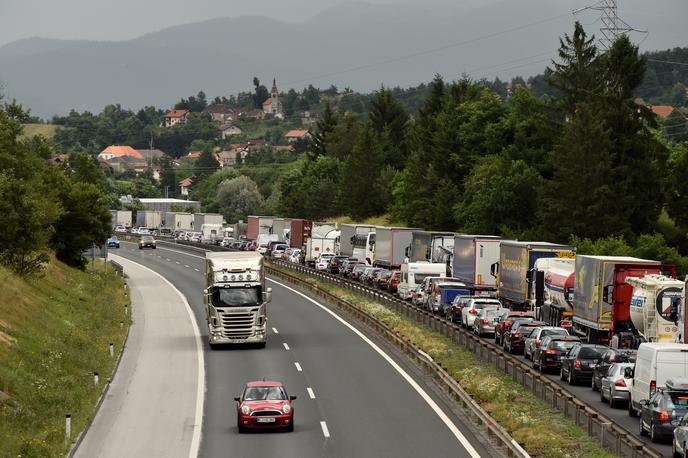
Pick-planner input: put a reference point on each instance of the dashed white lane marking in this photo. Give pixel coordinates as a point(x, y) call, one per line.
point(169, 259)
point(298, 367)
point(286, 347)
point(196, 270)
point(275, 330)
point(421, 392)
point(310, 392)
point(185, 265)
point(177, 262)
point(326, 432)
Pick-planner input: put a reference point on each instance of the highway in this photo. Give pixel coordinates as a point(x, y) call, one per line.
point(352, 401)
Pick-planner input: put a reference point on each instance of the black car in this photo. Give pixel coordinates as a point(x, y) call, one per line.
point(578, 363)
point(336, 263)
point(514, 321)
point(382, 278)
point(357, 272)
point(609, 357)
point(515, 338)
point(348, 267)
point(548, 354)
point(662, 413)
point(146, 242)
point(372, 273)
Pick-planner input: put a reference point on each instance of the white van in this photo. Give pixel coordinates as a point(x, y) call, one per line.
point(655, 364)
point(413, 273)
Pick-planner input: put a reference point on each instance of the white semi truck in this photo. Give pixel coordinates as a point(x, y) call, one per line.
point(235, 298)
point(657, 309)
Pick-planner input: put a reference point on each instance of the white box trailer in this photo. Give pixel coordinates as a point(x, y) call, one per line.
point(179, 221)
point(348, 238)
point(148, 218)
point(474, 256)
point(324, 239)
point(390, 246)
point(206, 218)
point(121, 218)
point(281, 228)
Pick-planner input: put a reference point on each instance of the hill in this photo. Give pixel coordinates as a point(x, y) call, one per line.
point(392, 45)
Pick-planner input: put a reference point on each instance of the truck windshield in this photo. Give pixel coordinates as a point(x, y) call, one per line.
point(236, 297)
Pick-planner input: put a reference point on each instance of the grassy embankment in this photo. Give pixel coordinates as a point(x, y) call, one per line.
point(55, 331)
point(46, 130)
point(382, 220)
point(541, 430)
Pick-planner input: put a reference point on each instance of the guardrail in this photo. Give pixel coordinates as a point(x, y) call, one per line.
point(609, 435)
point(118, 267)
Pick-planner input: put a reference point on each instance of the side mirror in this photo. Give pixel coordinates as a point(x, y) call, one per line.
point(628, 372)
point(267, 295)
point(292, 398)
point(494, 269)
point(237, 399)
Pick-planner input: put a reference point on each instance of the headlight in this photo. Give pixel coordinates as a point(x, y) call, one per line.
point(233, 277)
point(286, 408)
point(241, 277)
point(248, 276)
point(245, 410)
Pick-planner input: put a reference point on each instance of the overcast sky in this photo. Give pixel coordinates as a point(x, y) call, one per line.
point(125, 19)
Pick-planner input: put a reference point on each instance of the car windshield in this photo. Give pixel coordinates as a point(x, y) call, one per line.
point(563, 345)
point(490, 313)
point(264, 393)
point(146, 238)
point(526, 330)
point(589, 353)
point(554, 332)
point(236, 297)
point(483, 305)
point(676, 400)
point(113, 238)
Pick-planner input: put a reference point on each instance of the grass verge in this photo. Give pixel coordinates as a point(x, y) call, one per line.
point(538, 428)
point(382, 220)
point(55, 331)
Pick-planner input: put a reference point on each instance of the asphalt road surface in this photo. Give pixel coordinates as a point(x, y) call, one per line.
point(353, 400)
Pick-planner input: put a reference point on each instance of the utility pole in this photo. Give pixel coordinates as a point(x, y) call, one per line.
point(612, 25)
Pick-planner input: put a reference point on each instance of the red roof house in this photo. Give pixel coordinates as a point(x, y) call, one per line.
point(113, 151)
point(663, 111)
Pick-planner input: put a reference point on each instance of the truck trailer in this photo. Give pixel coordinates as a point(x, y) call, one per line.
point(178, 221)
point(351, 235)
point(258, 225)
point(236, 298)
point(390, 246)
point(515, 269)
point(428, 246)
point(148, 218)
point(657, 308)
point(199, 219)
point(121, 218)
point(554, 285)
point(299, 232)
point(602, 297)
point(281, 228)
point(472, 259)
point(323, 239)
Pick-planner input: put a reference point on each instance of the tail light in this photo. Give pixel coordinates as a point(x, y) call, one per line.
point(663, 416)
point(653, 387)
point(473, 311)
point(485, 321)
point(537, 343)
point(620, 382)
point(437, 290)
point(576, 364)
point(551, 352)
point(517, 335)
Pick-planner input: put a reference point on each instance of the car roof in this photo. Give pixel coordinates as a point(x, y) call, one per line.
point(263, 383)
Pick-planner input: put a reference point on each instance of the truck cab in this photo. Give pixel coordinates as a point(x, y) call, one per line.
point(235, 298)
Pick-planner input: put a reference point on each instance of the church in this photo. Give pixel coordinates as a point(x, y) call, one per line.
point(273, 105)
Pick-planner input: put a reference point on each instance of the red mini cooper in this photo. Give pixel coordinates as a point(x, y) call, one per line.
point(265, 405)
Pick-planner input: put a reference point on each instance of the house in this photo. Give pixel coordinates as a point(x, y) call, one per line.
point(119, 151)
point(194, 154)
point(229, 157)
point(184, 186)
point(296, 134)
point(125, 163)
point(253, 114)
point(175, 117)
point(663, 111)
point(229, 130)
point(256, 145)
point(220, 114)
point(273, 105)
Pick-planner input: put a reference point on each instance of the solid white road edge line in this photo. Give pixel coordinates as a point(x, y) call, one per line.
point(286, 347)
point(200, 392)
point(298, 367)
point(326, 432)
point(423, 394)
point(310, 392)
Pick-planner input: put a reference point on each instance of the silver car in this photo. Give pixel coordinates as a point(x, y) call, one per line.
point(615, 387)
point(679, 445)
point(485, 321)
point(533, 340)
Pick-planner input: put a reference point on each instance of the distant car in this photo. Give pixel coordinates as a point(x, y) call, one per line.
point(475, 305)
point(372, 274)
point(119, 229)
point(144, 230)
point(357, 271)
point(506, 320)
point(226, 242)
point(679, 446)
point(534, 339)
point(393, 282)
point(278, 251)
point(382, 278)
point(323, 261)
point(196, 237)
point(578, 363)
point(295, 256)
point(548, 354)
point(265, 405)
point(452, 312)
point(336, 263)
point(662, 413)
point(417, 298)
point(348, 267)
point(609, 357)
point(515, 338)
point(146, 242)
point(614, 386)
point(484, 322)
point(112, 242)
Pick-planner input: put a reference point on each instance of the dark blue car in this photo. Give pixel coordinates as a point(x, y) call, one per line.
point(112, 242)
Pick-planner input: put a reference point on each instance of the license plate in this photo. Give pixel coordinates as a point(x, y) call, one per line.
point(266, 420)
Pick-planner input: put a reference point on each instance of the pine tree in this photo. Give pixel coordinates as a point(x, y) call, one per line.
point(325, 126)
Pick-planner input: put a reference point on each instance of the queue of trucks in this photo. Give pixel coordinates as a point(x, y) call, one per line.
point(618, 301)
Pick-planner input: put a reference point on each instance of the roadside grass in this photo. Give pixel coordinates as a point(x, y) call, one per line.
point(539, 429)
point(55, 331)
point(46, 130)
point(382, 220)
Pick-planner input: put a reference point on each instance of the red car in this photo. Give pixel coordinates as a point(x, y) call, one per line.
point(265, 405)
point(394, 280)
point(503, 324)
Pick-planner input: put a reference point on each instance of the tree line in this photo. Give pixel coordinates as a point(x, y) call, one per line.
point(585, 162)
point(61, 209)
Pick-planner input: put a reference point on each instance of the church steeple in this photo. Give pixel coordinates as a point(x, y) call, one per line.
point(274, 88)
